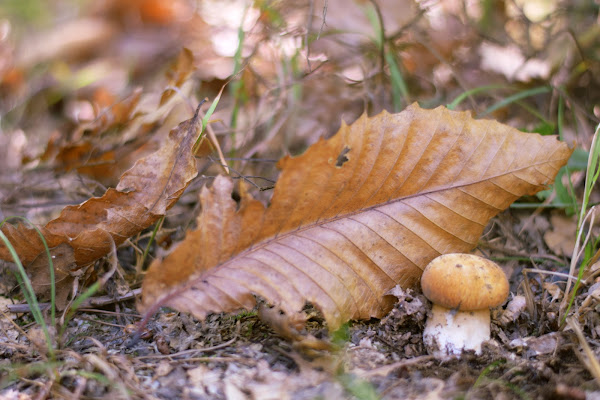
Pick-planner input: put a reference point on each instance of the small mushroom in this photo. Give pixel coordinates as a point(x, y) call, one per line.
point(462, 288)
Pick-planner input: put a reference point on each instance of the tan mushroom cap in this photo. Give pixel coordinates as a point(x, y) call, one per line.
point(465, 282)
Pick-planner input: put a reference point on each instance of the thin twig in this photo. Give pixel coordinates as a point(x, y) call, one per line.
point(190, 351)
point(323, 23)
point(386, 369)
point(520, 254)
point(91, 302)
point(247, 361)
point(246, 177)
point(95, 310)
point(17, 327)
point(101, 322)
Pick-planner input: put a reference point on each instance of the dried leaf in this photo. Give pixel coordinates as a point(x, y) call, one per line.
point(354, 216)
point(102, 165)
point(561, 238)
point(178, 73)
point(113, 116)
point(63, 262)
point(142, 196)
point(93, 148)
point(292, 330)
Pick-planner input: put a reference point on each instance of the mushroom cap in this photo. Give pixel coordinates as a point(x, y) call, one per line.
point(465, 282)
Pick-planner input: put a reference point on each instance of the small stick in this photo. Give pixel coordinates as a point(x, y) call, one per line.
point(386, 369)
point(190, 351)
point(91, 302)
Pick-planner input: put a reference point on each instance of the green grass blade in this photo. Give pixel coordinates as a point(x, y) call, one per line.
point(77, 302)
point(560, 125)
point(561, 117)
point(371, 14)
point(50, 266)
point(399, 88)
point(237, 87)
point(516, 97)
point(463, 96)
point(541, 205)
point(534, 112)
point(154, 232)
point(592, 174)
point(29, 294)
point(211, 109)
point(591, 177)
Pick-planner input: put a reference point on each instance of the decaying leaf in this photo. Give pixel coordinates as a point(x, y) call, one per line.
point(559, 239)
point(142, 196)
point(178, 73)
point(292, 330)
point(64, 265)
point(354, 216)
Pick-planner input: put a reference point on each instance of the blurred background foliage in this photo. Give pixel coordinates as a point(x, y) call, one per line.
point(89, 86)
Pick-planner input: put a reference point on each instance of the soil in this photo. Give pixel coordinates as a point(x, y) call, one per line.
point(240, 356)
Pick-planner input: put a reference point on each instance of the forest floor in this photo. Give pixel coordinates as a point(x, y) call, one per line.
point(87, 89)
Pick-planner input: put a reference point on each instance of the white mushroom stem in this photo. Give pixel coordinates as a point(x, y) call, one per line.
point(450, 332)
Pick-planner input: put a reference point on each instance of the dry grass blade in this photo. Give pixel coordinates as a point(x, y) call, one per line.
point(354, 216)
point(590, 360)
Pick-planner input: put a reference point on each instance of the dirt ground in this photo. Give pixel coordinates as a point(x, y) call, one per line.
point(241, 357)
point(87, 89)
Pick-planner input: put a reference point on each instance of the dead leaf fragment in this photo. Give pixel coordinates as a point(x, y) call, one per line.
point(510, 62)
point(340, 235)
point(64, 263)
point(144, 193)
point(66, 40)
point(291, 328)
point(560, 238)
point(536, 346)
point(178, 73)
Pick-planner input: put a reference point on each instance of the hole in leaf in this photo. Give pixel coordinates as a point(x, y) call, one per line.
point(341, 159)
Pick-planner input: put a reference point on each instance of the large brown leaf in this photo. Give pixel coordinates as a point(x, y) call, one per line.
point(143, 195)
point(354, 216)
